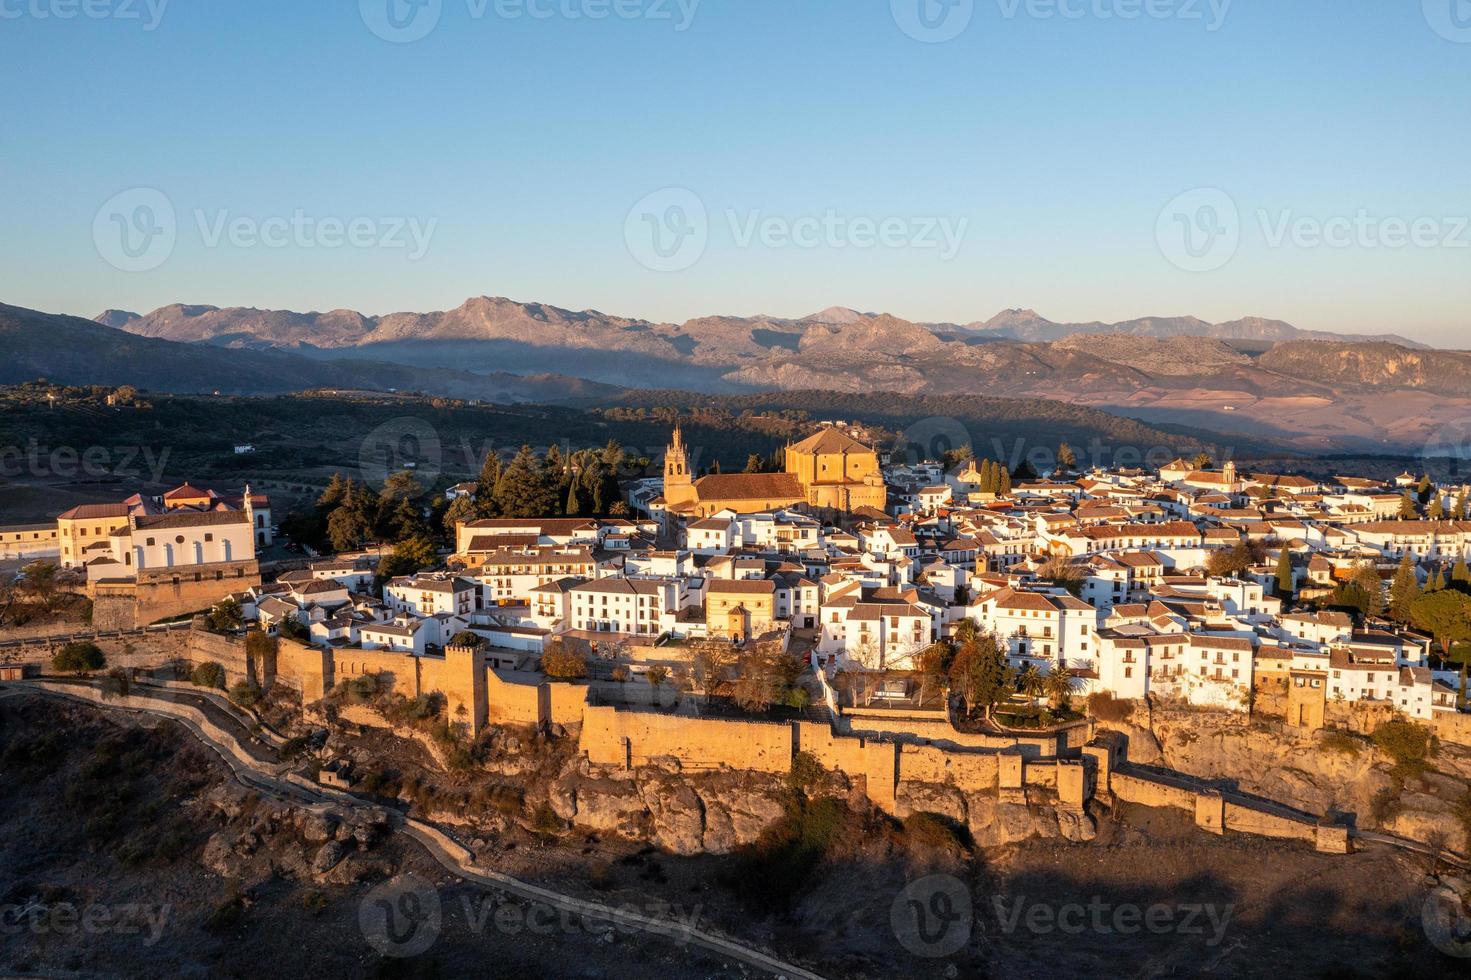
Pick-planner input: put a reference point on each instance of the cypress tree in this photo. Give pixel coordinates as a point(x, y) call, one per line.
point(574, 505)
point(1003, 485)
point(1408, 511)
point(1437, 508)
point(490, 475)
point(1285, 579)
point(1403, 590)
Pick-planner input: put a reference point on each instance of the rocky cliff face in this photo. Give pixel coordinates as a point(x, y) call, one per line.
point(717, 813)
point(1303, 770)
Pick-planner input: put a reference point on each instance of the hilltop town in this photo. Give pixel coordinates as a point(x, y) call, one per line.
point(1014, 655)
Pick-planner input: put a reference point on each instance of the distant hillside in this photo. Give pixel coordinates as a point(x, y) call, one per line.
point(1030, 326)
point(1255, 375)
point(71, 350)
point(1377, 365)
point(997, 427)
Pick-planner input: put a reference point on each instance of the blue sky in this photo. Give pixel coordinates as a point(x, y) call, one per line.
point(1054, 143)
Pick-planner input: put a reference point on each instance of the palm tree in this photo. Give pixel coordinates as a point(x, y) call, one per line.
point(1059, 686)
point(966, 631)
point(1030, 681)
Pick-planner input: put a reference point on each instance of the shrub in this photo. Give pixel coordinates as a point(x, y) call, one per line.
point(560, 663)
point(806, 773)
point(545, 821)
point(1340, 742)
point(79, 658)
point(245, 693)
point(361, 689)
point(1407, 743)
point(208, 674)
point(930, 835)
point(1386, 805)
point(1105, 707)
point(796, 697)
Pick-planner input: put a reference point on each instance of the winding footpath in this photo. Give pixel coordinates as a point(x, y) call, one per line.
point(451, 855)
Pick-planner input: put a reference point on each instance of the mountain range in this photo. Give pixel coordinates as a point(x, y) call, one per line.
point(1261, 378)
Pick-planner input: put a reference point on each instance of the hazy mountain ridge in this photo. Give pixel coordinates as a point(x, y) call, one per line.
point(71, 350)
point(1028, 325)
point(1306, 387)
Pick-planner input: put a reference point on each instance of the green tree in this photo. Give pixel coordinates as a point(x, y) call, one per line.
point(346, 528)
point(1437, 508)
point(79, 658)
point(334, 494)
point(560, 662)
point(407, 521)
point(225, 616)
point(754, 463)
point(1446, 615)
point(1459, 513)
point(934, 669)
point(981, 674)
point(1363, 590)
point(403, 485)
point(1003, 483)
point(1201, 461)
point(1029, 681)
point(461, 510)
point(490, 476)
point(1066, 458)
point(40, 581)
point(1059, 687)
point(1408, 509)
point(573, 507)
point(524, 489)
point(1461, 575)
point(409, 556)
point(1286, 578)
point(1403, 590)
